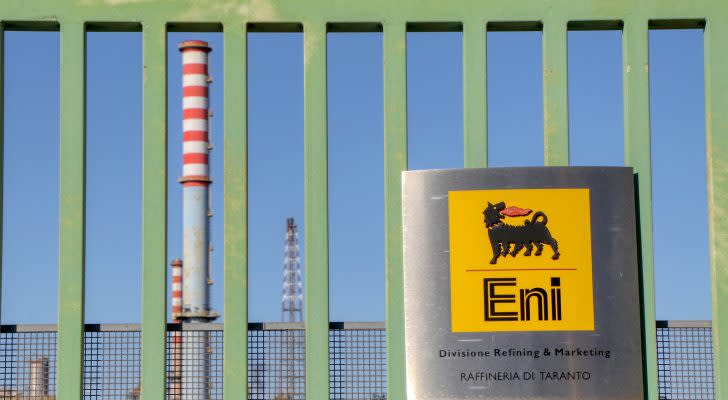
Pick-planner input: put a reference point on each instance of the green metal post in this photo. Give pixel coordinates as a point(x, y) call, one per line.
point(555, 92)
point(2, 144)
point(636, 87)
point(72, 211)
point(154, 211)
point(395, 161)
point(475, 94)
point(235, 351)
point(716, 122)
point(316, 202)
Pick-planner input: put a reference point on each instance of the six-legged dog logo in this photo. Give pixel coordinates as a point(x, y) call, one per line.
point(532, 232)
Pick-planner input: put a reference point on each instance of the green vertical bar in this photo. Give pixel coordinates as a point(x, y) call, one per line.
point(154, 211)
point(72, 211)
point(475, 94)
point(235, 327)
point(716, 122)
point(555, 93)
point(316, 229)
point(395, 161)
point(636, 89)
point(2, 144)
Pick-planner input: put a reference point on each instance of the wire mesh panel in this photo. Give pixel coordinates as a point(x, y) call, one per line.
point(276, 362)
point(111, 362)
point(685, 360)
point(194, 362)
point(357, 362)
point(28, 362)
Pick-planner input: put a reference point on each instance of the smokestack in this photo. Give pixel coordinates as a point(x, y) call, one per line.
point(176, 289)
point(196, 213)
point(196, 181)
point(175, 375)
point(38, 378)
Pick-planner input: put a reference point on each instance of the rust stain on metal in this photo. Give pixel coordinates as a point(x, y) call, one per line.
point(547, 74)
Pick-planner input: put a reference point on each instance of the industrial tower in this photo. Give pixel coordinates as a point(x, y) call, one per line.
point(195, 181)
point(189, 377)
point(289, 363)
point(292, 297)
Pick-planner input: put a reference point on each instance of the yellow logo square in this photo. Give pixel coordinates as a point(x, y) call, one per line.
point(520, 260)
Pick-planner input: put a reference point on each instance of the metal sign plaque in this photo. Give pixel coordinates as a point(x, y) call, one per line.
point(521, 283)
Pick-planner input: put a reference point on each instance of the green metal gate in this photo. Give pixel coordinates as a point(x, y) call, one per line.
point(315, 18)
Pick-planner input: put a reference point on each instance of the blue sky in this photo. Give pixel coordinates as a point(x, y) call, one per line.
point(275, 117)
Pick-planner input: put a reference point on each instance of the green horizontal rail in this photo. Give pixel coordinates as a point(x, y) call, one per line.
point(194, 15)
point(315, 18)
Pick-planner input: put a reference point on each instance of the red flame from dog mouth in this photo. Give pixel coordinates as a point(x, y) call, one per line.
point(514, 211)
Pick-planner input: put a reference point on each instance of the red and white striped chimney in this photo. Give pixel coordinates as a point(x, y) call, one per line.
point(195, 104)
point(175, 375)
point(176, 289)
point(196, 181)
point(195, 219)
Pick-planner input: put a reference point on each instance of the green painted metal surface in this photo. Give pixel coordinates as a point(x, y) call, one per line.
point(154, 211)
point(203, 14)
point(235, 323)
point(315, 142)
point(475, 111)
point(72, 213)
point(716, 118)
point(555, 92)
point(636, 90)
point(395, 161)
point(155, 17)
point(2, 149)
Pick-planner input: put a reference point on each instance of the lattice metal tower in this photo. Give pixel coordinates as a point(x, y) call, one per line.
point(289, 375)
point(292, 297)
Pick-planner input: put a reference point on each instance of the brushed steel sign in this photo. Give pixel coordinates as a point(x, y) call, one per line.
point(521, 283)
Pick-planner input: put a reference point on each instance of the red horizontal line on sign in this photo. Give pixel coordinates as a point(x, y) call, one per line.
point(520, 269)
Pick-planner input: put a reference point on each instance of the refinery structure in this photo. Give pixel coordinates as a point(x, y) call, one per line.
point(191, 304)
point(189, 373)
point(357, 351)
point(287, 373)
point(197, 356)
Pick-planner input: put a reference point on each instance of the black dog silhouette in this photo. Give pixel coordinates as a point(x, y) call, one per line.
point(533, 232)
